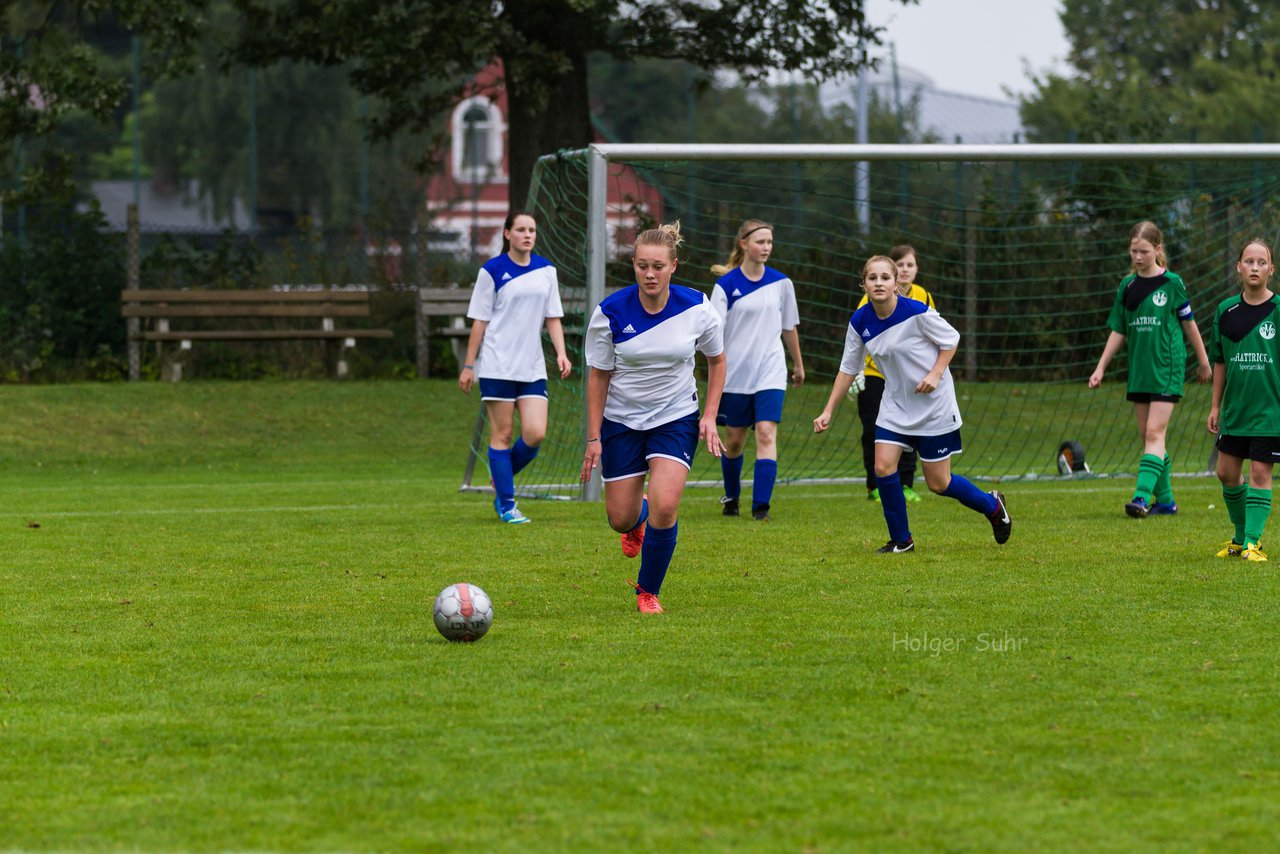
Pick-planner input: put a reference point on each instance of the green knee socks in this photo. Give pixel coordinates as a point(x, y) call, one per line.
point(1257, 507)
point(1149, 469)
point(1164, 487)
point(1234, 496)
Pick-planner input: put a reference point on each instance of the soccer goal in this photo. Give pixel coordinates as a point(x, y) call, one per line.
point(1022, 247)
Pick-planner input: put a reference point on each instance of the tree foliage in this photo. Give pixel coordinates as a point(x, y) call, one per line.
point(411, 55)
point(1162, 71)
point(49, 72)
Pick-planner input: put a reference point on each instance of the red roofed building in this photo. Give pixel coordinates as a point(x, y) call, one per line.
point(468, 196)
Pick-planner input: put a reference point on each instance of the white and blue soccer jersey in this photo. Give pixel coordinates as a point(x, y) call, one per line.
point(515, 301)
point(651, 355)
point(905, 345)
point(755, 315)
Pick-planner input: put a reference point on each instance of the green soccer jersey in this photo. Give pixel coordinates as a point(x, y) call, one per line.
point(1243, 338)
point(1148, 311)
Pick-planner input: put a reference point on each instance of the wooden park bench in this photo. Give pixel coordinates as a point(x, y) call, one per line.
point(151, 315)
point(442, 313)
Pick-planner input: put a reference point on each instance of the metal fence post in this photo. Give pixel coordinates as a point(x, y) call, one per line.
point(133, 279)
point(422, 331)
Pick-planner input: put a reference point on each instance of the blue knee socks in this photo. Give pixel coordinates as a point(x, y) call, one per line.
point(963, 490)
point(731, 467)
point(503, 480)
point(655, 557)
point(521, 455)
point(644, 514)
point(766, 472)
point(894, 505)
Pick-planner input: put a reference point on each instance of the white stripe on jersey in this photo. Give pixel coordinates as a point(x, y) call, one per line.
point(905, 346)
point(651, 355)
point(755, 315)
point(514, 300)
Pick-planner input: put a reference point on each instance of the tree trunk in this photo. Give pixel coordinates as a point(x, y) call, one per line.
point(545, 115)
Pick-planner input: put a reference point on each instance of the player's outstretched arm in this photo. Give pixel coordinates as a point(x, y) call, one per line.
point(555, 331)
point(1219, 385)
point(791, 337)
point(838, 390)
point(717, 369)
point(597, 391)
point(467, 375)
point(1114, 341)
point(1204, 371)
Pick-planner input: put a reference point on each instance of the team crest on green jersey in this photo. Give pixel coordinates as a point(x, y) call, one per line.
point(1160, 298)
point(1267, 330)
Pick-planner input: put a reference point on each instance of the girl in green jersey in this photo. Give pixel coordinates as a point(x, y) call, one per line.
point(1151, 303)
point(1245, 413)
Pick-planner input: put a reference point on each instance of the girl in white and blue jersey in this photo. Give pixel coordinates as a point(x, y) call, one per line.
point(913, 346)
point(642, 403)
point(758, 306)
point(513, 295)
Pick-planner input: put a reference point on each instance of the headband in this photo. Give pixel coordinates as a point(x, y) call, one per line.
point(754, 230)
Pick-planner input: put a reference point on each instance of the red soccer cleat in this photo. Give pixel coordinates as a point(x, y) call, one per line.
point(632, 540)
point(647, 603)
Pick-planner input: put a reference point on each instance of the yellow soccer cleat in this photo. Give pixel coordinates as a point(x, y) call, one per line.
point(1231, 549)
point(1253, 553)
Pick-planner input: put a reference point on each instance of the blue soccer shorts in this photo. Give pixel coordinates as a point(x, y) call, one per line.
point(932, 449)
point(511, 390)
point(744, 410)
point(626, 453)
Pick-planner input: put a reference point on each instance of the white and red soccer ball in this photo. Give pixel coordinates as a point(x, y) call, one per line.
point(463, 612)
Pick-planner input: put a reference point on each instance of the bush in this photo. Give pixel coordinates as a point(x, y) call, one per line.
point(60, 302)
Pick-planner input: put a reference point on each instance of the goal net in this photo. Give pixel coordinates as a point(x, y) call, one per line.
point(1021, 246)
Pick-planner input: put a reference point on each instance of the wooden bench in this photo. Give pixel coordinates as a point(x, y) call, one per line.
point(162, 307)
point(442, 312)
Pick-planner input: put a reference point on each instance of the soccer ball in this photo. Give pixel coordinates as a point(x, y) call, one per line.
point(463, 612)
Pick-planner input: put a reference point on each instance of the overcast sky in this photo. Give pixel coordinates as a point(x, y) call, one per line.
point(976, 47)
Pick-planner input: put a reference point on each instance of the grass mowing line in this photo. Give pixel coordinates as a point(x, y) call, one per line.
point(181, 485)
point(439, 502)
point(320, 508)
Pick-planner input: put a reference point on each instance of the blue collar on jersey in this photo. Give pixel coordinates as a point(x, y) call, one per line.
point(627, 317)
point(868, 324)
point(502, 269)
point(736, 285)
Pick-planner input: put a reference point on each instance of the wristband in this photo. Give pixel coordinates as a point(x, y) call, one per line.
point(597, 439)
point(470, 367)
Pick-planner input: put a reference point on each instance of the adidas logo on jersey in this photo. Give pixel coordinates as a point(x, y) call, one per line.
point(629, 330)
point(737, 293)
point(506, 276)
point(866, 333)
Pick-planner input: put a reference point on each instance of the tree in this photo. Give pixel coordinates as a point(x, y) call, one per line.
point(55, 74)
point(1162, 71)
point(413, 55)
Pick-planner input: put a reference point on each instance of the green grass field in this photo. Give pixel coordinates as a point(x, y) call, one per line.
point(217, 637)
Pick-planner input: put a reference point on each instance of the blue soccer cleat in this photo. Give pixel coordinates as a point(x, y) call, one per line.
point(1137, 508)
point(514, 517)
